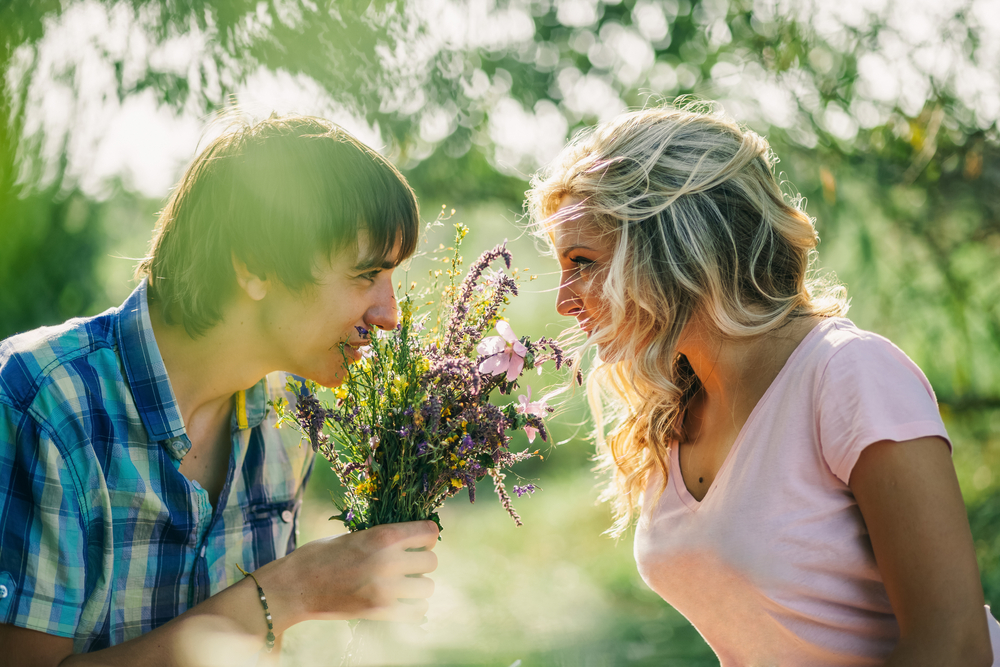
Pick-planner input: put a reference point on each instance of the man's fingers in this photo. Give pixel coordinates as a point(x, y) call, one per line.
point(409, 610)
point(411, 535)
point(415, 587)
point(415, 563)
point(420, 534)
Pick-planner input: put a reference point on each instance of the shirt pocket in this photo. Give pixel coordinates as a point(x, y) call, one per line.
point(271, 528)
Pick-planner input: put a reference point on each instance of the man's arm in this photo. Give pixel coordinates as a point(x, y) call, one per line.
point(361, 575)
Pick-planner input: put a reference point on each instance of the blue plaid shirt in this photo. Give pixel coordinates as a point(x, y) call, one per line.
point(101, 537)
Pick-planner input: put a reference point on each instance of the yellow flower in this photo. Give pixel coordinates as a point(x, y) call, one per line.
point(457, 483)
point(340, 392)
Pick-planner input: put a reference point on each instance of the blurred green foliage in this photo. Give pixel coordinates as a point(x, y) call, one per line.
point(888, 129)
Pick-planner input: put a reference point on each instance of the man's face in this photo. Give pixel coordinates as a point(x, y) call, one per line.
point(305, 329)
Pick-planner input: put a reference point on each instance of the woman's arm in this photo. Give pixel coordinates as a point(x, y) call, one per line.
point(911, 503)
point(361, 575)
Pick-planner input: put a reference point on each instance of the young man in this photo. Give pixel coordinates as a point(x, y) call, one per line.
point(139, 463)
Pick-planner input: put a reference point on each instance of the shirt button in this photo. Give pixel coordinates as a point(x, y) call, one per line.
point(287, 516)
point(3, 591)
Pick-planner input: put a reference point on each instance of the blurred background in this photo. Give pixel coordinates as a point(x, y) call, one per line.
point(884, 114)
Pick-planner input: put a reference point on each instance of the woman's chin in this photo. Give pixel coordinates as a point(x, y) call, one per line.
point(608, 352)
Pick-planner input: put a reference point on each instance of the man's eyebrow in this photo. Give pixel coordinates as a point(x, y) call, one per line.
point(375, 263)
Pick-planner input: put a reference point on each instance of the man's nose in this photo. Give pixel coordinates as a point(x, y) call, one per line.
point(382, 313)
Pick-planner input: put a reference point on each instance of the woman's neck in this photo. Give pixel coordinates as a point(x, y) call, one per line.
point(736, 372)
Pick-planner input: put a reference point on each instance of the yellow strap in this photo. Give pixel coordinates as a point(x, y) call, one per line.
point(241, 410)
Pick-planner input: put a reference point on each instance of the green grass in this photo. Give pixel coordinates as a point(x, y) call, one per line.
point(554, 592)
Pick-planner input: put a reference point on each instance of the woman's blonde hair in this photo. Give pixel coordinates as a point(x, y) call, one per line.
point(690, 204)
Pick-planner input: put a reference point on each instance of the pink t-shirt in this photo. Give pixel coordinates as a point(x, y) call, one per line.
point(774, 566)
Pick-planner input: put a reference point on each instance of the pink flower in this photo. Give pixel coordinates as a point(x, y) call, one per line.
point(506, 353)
point(527, 407)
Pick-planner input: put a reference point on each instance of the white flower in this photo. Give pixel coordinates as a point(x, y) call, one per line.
point(505, 353)
point(527, 407)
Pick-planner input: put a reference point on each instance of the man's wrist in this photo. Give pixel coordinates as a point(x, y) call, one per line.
point(284, 597)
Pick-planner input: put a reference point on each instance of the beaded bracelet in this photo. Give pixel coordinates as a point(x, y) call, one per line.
point(269, 640)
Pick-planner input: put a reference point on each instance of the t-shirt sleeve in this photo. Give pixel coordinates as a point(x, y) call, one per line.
point(871, 391)
point(43, 545)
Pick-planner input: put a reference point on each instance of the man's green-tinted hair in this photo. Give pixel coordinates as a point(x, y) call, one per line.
point(279, 195)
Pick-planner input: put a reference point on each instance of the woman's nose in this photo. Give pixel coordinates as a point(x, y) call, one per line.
point(567, 299)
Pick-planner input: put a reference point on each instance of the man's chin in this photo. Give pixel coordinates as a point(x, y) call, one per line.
point(331, 379)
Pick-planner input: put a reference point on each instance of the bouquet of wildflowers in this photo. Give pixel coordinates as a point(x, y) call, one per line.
point(413, 423)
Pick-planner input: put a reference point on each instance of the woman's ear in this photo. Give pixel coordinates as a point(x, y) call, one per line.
point(255, 286)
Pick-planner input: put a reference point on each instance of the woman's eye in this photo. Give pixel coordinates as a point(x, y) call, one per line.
point(582, 262)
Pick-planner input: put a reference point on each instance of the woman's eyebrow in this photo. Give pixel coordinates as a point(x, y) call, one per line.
point(575, 247)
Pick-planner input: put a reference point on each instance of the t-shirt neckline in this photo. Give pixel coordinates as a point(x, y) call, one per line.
point(677, 480)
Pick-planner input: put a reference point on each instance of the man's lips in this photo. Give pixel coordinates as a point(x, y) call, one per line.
point(353, 350)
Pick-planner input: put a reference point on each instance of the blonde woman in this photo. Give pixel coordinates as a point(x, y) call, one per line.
point(796, 496)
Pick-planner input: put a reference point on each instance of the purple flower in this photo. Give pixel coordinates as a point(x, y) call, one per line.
point(362, 332)
point(350, 515)
point(453, 331)
point(526, 489)
point(505, 353)
point(556, 352)
point(504, 285)
point(311, 414)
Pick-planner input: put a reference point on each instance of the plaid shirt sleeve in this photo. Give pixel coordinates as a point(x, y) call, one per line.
point(43, 543)
point(101, 537)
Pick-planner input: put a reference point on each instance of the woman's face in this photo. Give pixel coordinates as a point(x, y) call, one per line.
point(584, 258)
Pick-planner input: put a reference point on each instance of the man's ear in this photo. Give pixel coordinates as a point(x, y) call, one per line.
point(255, 287)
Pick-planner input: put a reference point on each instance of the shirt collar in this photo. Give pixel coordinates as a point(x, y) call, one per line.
point(147, 376)
point(250, 406)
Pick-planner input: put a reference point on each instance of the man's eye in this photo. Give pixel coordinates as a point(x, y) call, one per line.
point(370, 276)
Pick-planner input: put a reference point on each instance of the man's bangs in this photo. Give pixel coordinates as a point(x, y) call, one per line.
point(390, 218)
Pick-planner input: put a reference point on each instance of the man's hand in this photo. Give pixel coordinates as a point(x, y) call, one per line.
point(375, 574)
